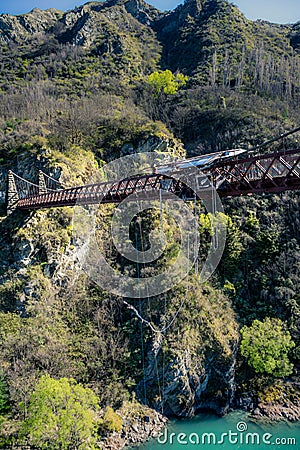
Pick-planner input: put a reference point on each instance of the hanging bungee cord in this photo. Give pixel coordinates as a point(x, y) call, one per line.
point(139, 313)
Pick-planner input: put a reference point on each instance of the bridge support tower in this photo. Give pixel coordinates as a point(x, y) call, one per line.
point(42, 183)
point(12, 196)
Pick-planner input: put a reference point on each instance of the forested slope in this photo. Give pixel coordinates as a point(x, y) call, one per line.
point(75, 93)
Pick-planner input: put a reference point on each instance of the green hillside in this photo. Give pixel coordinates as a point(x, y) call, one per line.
point(82, 88)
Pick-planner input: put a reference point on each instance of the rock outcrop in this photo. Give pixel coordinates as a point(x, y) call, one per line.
point(140, 424)
point(289, 411)
point(188, 374)
point(280, 402)
point(20, 28)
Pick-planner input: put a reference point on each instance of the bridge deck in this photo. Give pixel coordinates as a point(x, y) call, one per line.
point(233, 175)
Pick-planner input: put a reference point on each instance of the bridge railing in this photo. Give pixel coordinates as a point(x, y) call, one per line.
point(275, 172)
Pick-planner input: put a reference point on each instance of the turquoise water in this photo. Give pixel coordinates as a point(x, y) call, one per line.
point(234, 431)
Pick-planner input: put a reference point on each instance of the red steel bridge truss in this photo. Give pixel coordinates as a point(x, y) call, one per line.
point(231, 175)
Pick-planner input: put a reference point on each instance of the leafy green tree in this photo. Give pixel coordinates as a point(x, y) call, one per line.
point(266, 345)
point(4, 398)
point(61, 415)
point(233, 246)
point(165, 81)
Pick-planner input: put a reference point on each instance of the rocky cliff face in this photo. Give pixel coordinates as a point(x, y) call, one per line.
point(189, 35)
point(192, 367)
point(116, 29)
point(139, 9)
point(92, 21)
point(191, 385)
point(18, 29)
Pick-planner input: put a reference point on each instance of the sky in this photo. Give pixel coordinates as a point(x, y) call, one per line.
point(279, 11)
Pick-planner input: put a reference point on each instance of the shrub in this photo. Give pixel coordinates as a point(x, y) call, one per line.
point(266, 346)
point(111, 421)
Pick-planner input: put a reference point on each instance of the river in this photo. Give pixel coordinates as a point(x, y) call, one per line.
point(234, 431)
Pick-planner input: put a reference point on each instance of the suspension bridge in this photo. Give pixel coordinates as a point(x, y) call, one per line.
point(233, 173)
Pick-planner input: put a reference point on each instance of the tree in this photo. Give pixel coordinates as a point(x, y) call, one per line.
point(61, 415)
point(165, 81)
point(266, 346)
point(4, 398)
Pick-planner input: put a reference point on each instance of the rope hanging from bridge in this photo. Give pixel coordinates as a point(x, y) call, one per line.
point(139, 314)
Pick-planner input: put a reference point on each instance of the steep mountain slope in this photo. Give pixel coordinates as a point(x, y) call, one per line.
point(210, 40)
point(109, 40)
point(213, 40)
point(74, 94)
